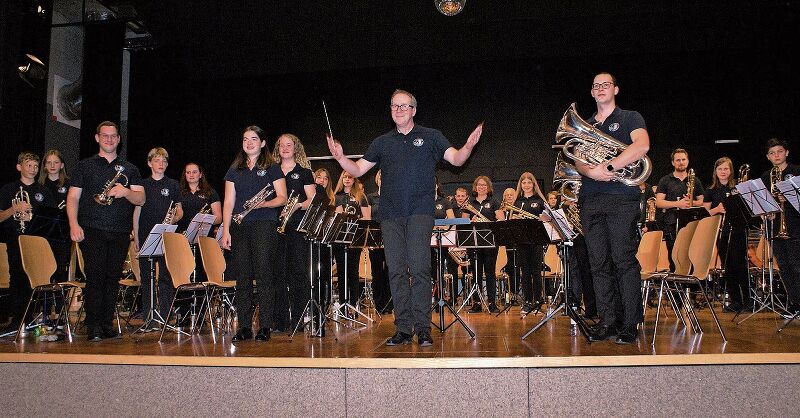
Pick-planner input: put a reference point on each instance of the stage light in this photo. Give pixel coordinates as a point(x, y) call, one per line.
point(450, 7)
point(33, 70)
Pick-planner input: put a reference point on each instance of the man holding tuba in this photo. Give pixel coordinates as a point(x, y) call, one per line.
point(103, 230)
point(609, 213)
point(19, 201)
point(786, 250)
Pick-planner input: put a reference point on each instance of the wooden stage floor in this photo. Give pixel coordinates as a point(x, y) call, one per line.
point(497, 343)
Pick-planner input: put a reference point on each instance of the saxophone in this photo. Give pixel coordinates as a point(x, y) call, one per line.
point(291, 207)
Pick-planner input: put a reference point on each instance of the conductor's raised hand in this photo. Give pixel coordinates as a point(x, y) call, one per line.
point(335, 147)
point(474, 137)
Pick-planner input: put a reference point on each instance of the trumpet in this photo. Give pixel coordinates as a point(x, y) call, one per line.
point(24, 215)
point(103, 198)
point(254, 201)
point(291, 207)
point(471, 209)
point(517, 213)
point(775, 176)
point(169, 218)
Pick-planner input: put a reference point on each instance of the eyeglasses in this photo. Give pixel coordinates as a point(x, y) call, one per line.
point(603, 85)
point(402, 107)
point(109, 136)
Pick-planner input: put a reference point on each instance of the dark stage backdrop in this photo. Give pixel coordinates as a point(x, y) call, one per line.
point(688, 100)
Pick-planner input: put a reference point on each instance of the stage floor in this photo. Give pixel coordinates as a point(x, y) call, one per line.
point(497, 343)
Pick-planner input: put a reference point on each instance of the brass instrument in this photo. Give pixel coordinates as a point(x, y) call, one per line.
point(517, 213)
point(205, 210)
point(103, 198)
point(350, 210)
point(573, 215)
point(744, 171)
point(650, 212)
point(471, 209)
point(582, 142)
point(566, 179)
point(169, 218)
point(459, 255)
point(62, 205)
point(288, 210)
point(22, 216)
point(775, 176)
point(690, 187)
point(254, 201)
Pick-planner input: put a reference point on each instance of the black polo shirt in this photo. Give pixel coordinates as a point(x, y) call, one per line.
point(191, 203)
point(296, 179)
point(408, 165)
point(90, 175)
point(792, 217)
point(486, 207)
point(716, 196)
point(39, 196)
point(440, 207)
point(374, 200)
point(247, 183)
point(532, 204)
point(158, 196)
point(59, 193)
point(457, 210)
point(674, 190)
point(619, 124)
point(344, 200)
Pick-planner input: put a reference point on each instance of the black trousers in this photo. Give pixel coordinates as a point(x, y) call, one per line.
point(253, 258)
point(732, 247)
point(19, 287)
point(609, 222)
point(530, 258)
point(484, 264)
point(350, 270)
point(104, 252)
point(280, 319)
point(380, 280)
point(787, 252)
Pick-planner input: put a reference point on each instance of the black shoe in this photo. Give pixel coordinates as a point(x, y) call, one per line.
point(493, 308)
point(627, 335)
point(476, 308)
point(263, 334)
point(536, 306)
point(243, 334)
point(527, 308)
point(734, 307)
point(95, 335)
point(424, 338)
point(110, 333)
point(602, 332)
point(399, 338)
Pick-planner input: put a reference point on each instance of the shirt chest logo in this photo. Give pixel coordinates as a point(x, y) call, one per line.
point(613, 127)
point(418, 142)
point(534, 205)
point(39, 197)
point(261, 173)
point(165, 192)
point(487, 205)
point(62, 189)
point(439, 207)
point(294, 176)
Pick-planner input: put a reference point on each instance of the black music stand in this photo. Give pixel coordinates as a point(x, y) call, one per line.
point(50, 223)
point(368, 235)
point(438, 232)
point(342, 230)
point(475, 236)
point(760, 202)
point(199, 226)
point(154, 247)
point(560, 225)
point(790, 188)
point(318, 208)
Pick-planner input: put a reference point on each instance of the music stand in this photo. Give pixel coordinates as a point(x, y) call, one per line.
point(515, 232)
point(790, 188)
point(50, 223)
point(199, 226)
point(474, 236)
point(342, 230)
point(154, 247)
point(316, 213)
point(368, 235)
point(760, 202)
point(566, 234)
point(438, 233)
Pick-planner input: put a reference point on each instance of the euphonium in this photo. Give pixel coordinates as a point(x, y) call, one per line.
point(22, 216)
point(103, 198)
point(775, 176)
point(566, 179)
point(582, 142)
point(471, 209)
point(516, 212)
point(287, 212)
point(254, 201)
point(169, 218)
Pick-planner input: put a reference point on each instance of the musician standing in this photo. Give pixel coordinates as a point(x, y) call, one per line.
point(162, 194)
point(253, 243)
point(20, 197)
point(786, 250)
point(407, 156)
point(291, 155)
point(103, 230)
point(53, 176)
point(609, 212)
point(321, 262)
point(460, 197)
point(485, 258)
point(350, 198)
point(196, 195)
point(530, 256)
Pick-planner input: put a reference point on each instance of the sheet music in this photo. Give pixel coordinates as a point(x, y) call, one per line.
point(757, 197)
point(448, 239)
point(199, 226)
point(789, 188)
point(154, 245)
point(561, 219)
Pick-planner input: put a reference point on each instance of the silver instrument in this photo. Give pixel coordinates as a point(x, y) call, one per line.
point(169, 218)
point(288, 210)
point(566, 179)
point(254, 201)
point(22, 216)
point(103, 198)
point(582, 142)
point(573, 215)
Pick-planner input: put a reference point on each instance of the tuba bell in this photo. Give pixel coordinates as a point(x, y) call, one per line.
point(582, 142)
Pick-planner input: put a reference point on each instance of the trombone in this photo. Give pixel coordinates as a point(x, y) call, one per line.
point(517, 213)
point(471, 209)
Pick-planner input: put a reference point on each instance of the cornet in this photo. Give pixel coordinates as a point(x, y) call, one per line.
point(254, 201)
point(291, 207)
point(169, 218)
point(103, 198)
point(25, 215)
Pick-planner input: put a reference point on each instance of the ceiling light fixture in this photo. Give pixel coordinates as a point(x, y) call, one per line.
point(450, 7)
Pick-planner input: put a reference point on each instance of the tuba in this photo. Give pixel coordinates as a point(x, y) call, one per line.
point(566, 179)
point(254, 201)
point(287, 212)
point(776, 176)
point(22, 216)
point(103, 198)
point(582, 142)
